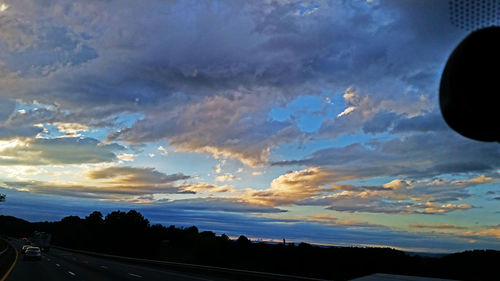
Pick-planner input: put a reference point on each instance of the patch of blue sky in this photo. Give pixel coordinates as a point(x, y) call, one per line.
point(96, 133)
point(261, 178)
point(191, 164)
point(485, 201)
point(52, 132)
point(309, 112)
point(480, 215)
point(369, 181)
point(310, 123)
point(305, 111)
point(280, 114)
point(33, 106)
point(306, 9)
point(404, 221)
point(461, 176)
point(127, 119)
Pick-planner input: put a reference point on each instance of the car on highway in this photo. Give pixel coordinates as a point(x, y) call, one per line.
point(24, 248)
point(33, 253)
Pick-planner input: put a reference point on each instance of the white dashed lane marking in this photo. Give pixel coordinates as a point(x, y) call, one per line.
point(135, 275)
point(103, 266)
point(58, 265)
point(71, 273)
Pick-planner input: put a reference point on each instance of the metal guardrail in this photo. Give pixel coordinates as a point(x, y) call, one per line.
point(196, 266)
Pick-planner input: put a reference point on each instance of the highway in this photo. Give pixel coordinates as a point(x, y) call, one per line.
point(65, 265)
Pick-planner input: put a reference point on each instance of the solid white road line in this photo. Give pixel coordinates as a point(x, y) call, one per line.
point(135, 275)
point(71, 273)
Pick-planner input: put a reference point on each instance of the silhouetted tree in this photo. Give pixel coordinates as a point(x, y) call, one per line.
point(207, 235)
point(71, 232)
point(94, 223)
point(191, 231)
point(2, 197)
point(224, 237)
point(126, 232)
point(94, 219)
point(243, 240)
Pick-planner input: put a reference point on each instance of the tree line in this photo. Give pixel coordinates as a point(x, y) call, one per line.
point(130, 234)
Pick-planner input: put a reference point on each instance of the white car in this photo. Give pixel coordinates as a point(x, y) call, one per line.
point(24, 248)
point(33, 253)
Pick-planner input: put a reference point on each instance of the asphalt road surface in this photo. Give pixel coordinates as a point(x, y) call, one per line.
point(62, 265)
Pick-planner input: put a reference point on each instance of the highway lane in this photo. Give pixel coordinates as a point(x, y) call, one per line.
point(63, 265)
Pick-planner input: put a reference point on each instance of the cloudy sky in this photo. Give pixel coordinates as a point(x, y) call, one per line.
point(313, 121)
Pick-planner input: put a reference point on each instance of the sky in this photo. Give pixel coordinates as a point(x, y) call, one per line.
point(314, 121)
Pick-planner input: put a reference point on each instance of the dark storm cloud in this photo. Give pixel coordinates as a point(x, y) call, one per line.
point(133, 175)
point(219, 204)
point(418, 155)
point(19, 132)
point(7, 106)
point(381, 122)
point(55, 47)
point(430, 122)
point(391, 122)
point(247, 56)
point(109, 192)
point(59, 151)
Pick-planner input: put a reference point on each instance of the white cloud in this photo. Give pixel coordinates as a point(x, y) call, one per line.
point(218, 167)
point(226, 177)
point(347, 111)
point(397, 184)
point(126, 157)
point(493, 231)
point(202, 187)
point(71, 129)
point(474, 181)
point(290, 188)
point(3, 7)
point(163, 151)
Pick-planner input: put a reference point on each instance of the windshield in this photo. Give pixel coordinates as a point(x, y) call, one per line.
point(284, 121)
